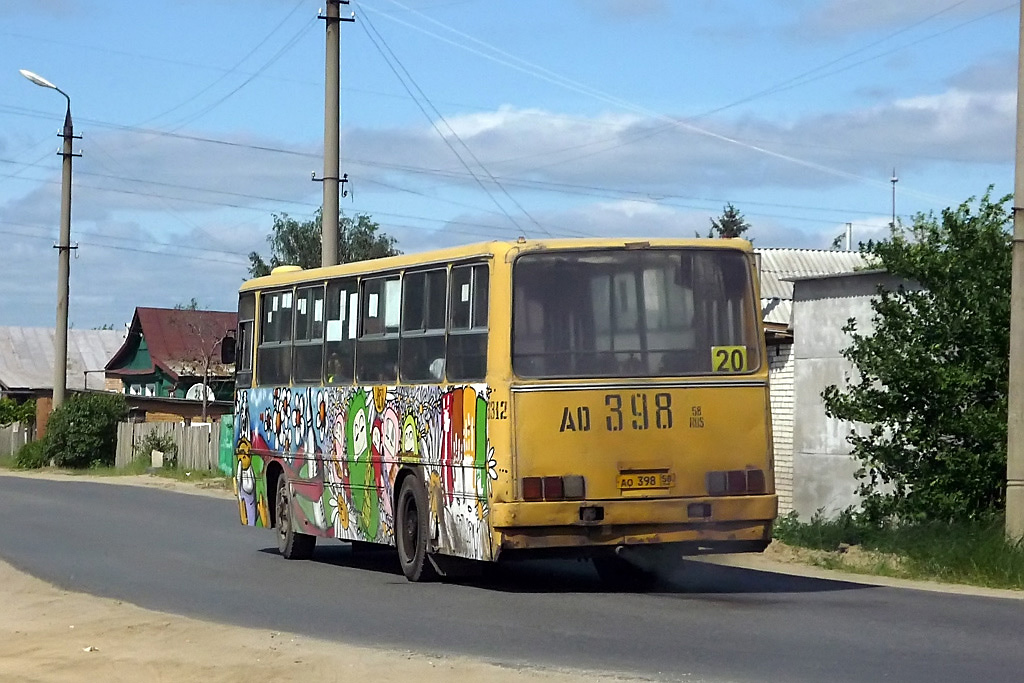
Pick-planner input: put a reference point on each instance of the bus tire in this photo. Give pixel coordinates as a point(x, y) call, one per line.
point(292, 544)
point(412, 530)
point(620, 574)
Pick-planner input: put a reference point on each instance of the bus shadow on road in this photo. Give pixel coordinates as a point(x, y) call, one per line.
point(691, 577)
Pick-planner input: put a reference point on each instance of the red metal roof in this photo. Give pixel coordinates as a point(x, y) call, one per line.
point(176, 338)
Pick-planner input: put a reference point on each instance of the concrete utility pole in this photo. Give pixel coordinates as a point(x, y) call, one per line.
point(60, 337)
point(332, 133)
point(1015, 412)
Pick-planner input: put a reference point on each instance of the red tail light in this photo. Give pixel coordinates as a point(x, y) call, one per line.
point(553, 488)
point(735, 482)
point(532, 488)
point(568, 487)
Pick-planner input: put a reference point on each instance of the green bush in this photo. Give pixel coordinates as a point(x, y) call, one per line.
point(825, 533)
point(31, 456)
point(83, 432)
point(158, 442)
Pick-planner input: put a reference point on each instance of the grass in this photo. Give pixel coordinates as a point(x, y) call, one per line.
point(204, 478)
point(971, 553)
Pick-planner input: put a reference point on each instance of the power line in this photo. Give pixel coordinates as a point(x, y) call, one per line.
point(447, 142)
point(232, 69)
point(527, 67)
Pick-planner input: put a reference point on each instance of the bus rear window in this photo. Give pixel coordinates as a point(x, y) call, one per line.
point(634, 313)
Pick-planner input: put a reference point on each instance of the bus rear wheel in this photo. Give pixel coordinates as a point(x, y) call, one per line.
point(292, 544)
point(413, 531)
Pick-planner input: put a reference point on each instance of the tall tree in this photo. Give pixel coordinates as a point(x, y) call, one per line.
point(933, 373)
point(730, 224)
point(190, 305)
point(298, 243)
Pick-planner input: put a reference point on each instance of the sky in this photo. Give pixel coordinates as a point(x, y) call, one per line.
point(472, 120)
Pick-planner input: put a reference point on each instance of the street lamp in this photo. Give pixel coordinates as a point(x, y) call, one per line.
point(60, 338)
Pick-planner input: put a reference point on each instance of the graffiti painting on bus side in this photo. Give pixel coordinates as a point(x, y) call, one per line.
point(347, 446)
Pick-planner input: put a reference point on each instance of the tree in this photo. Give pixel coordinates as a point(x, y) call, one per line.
point(190, 305)
point(934, 372)
point(205, 338)
point(295, 243)
point(730, 224)
point(11, 411)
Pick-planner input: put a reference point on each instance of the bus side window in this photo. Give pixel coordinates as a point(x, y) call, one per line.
point(273, 358)
point(424, 296)
point(380, 312)
point(342, 318)
point(243, 340)
point(308, 348)
point(467, 336)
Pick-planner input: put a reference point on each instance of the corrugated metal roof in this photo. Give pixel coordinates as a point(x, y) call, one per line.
point(778, 264)
point(26, 356)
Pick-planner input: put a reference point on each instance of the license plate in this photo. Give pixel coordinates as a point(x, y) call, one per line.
point(638, 481)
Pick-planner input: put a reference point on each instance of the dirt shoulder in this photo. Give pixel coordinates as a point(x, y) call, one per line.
point(55, 635)
point(48, 634)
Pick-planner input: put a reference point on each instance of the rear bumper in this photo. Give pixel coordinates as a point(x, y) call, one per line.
point(738, 522)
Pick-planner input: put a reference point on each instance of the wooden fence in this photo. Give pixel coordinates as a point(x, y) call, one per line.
point(198, 444)
point(13, 437)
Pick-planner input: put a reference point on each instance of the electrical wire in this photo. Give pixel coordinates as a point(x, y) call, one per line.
point(367, 22)
point(529, 68)
point(229, 71)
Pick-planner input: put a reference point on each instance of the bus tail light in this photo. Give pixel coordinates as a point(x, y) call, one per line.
point(755, 481)
point(553, 488)
point(735, 482)
point(568, 487)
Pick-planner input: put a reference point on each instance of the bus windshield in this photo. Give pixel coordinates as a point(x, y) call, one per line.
point(633, 313)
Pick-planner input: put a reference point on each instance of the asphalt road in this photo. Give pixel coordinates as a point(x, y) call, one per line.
point(188, 555)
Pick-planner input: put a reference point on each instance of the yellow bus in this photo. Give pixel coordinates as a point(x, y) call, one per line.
point(597, 398)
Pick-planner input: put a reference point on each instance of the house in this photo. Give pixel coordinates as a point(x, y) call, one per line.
point(794, 415)
point(174, 353)
point(26, 360)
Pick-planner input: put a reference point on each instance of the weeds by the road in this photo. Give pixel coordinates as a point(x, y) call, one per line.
point(977, 554)
point(203, 478)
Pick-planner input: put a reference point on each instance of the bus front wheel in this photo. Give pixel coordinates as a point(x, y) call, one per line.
point(413, 530)
point(292, 544)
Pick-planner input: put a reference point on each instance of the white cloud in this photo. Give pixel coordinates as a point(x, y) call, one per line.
point(531, 147)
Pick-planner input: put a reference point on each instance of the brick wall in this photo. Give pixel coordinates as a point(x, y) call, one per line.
point(780, 373)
